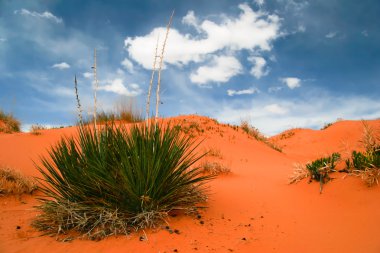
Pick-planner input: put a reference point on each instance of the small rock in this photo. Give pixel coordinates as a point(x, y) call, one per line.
point(244, 239)
point(202, 222)
point(199, 216)
point(18, 227)
point(142, 238)
point(177, 231)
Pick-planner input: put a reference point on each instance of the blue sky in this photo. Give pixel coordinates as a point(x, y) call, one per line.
point(276, 63)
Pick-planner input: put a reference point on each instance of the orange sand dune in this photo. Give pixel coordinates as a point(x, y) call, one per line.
point(253, 209)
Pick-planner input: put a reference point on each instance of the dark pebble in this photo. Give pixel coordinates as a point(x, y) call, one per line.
point(141, 238)
point(175, 250)
point(244, 239)
point(202, 222)
point(177, 231)
point(18, 227)
point(199, 216)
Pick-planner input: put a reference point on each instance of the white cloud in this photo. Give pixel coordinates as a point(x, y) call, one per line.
point(274, 89)
point(118, 87)
point(249, 31)
point(221, 69)
point(331, 35)
point(45, 15)
point(259, 2)
point(3, 39)
point(291, 82)
point(242, 92)
point(365, 33)
point(88, 75)
point(61, 66)
point(301, 28)
point(299, 113)
point(275, 109)
point(128, 65)
point(258, 70)
point(190, 20)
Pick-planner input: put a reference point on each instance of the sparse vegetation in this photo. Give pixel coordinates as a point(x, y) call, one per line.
point(319, 169)
point(366, 164)
point(327, 125)
point(255, 133)
point(300, 172)
point(13, 183)
point(214, 168)
point(118, 179)
point(8, 123)
point(36, 129)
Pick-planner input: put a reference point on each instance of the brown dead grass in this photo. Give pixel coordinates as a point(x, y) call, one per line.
point(13, 183)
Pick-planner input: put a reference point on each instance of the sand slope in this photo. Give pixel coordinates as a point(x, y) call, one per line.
point(251, 210)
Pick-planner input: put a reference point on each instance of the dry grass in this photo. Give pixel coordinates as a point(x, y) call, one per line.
point(370, 176)
point(300, 172)
point(214, 152)
point(36, 129)
point(369, 138)
point(214, 168)
point(255, 133)
point(13, 183)
point(8, 123)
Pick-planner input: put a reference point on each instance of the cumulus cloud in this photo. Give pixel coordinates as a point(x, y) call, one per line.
point(61, 66)
point(3, 39)
point(258, 70)
point(291, 82)
point(221, 69)
point(251, 30)
point(331, 35)
point(299, 113)
point(190, 20)
point(242, 92)
point(88, 75)
point(117, 86)
point(43, 15)
point(275, 109)
point(128, 65)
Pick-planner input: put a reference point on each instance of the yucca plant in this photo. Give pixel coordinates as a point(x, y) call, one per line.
point(115, 179)
point(320, 168)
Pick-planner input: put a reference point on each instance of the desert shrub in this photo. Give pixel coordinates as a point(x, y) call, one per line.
point(326, 125)
point(214, 168)
point(117, 179)
point(12, 182)
point(300, 172)
point(255, 133)
point(36, 129)
point(319, 169)
point(366, 164)
point(8, 123)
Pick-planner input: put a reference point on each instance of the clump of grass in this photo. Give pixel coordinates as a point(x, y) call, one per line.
point(8, 123)
point(327, 125)
point(117, 179)
point(36, 129)
point(214, 168)
point(214, 152)
point(13, 183)
point(300, 172)
point(319, 169)
point(366, 164)
point(255, 133)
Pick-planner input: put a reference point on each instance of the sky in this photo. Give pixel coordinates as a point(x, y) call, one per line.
point(277, 64)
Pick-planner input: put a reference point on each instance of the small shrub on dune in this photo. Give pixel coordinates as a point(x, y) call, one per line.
point(36, 129)
point(118, 179)
point(13, 183)
point(215, 168)
point(8, 123)
point(366, 164)
point(317, 170)
point(255, 133)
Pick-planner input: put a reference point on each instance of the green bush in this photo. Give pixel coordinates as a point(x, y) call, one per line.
point(109, 181)
point(368, 159)
point(320, 168)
